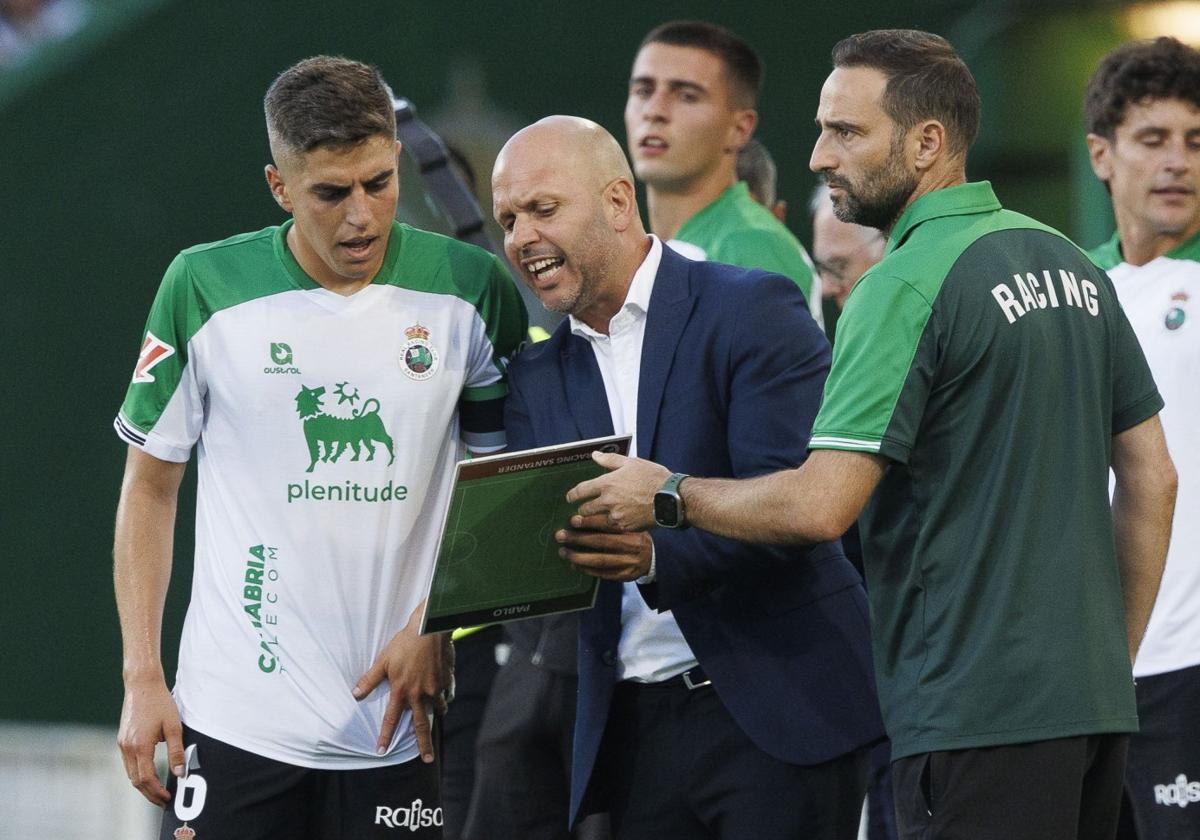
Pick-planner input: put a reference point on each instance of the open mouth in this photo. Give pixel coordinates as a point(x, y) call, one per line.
point(653, 145)
point(543, 269)
point(358, 247)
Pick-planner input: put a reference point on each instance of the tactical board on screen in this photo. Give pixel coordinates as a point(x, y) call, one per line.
point(498, 560)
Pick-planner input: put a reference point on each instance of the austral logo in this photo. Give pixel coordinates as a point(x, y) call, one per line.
point(281, 355)
point(154, 351)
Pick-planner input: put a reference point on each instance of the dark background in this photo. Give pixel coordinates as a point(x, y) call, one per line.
point(143, 135)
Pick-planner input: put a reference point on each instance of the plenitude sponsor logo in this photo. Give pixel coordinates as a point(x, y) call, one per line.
point(349, 491)
point(1181, 792)
point(414, 817)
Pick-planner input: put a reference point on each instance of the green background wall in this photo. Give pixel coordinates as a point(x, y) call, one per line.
point(144, 135)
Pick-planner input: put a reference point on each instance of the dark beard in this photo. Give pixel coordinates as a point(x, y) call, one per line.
point(882, 206)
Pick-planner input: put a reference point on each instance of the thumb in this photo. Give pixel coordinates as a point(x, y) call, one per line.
point(173, 733)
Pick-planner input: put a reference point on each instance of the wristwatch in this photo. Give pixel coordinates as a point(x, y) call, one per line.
point(668, 504)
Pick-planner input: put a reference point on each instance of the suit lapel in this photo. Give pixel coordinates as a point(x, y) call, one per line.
point(587, 400)
point(671, 305)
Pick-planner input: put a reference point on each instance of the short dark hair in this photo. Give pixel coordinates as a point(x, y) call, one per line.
point(328, 101)
point(1163, 68)
point(926, 79)
point(742, 63)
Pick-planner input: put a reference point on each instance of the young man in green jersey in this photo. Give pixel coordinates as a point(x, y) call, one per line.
point(984, 381)
point(330, 371)
point(1143, 122)
point(691, 108)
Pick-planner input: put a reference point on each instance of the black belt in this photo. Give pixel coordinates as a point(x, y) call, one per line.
point(689, 680)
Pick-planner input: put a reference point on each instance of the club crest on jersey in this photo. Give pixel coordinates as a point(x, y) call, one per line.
point(1177, 314)
point(418, 358)
point(154, 350)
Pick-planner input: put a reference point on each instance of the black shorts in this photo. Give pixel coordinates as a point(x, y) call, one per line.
point(1162, 777)
point(1060, 789)
point(231, 794)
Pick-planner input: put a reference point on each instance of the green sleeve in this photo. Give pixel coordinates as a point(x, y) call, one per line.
point(883, 365)
point(175, 317)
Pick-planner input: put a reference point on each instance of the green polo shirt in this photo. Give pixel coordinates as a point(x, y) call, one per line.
point(989, 360)
point(736, 229)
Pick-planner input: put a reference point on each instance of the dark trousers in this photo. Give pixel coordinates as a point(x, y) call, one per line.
point(232, 794)
point(523, 756)
point(474, 669)
point(1162, 777)
point(1060, 789)
point(674, 764)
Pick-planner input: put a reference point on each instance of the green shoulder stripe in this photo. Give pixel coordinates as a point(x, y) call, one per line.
point(430, 262)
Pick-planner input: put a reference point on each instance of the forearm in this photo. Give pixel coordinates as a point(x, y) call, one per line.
point(142, 555)
point(1142, 513)
point(771, 509)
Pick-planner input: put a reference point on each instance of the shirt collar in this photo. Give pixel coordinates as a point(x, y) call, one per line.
point(961, 200)
point(638, 296)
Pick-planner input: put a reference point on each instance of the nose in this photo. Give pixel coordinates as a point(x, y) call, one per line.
point(523, 234)
point(1179, 158)
point(655, 107)
point(821, 160)
point(358, 213)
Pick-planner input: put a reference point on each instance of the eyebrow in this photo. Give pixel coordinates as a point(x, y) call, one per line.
point(378, 177)
point(672, 84)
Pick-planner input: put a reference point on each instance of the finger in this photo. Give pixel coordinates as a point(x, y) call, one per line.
point(585, 489)
point(175, 755)
point(610, 460)
point(391, 718)
point(422, 728)
point(368, 681)
point(147, 781)
point(595, 507)
point(613, 543)
point(593, 523)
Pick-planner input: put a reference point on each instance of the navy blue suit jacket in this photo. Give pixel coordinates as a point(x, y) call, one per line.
point(731, 377)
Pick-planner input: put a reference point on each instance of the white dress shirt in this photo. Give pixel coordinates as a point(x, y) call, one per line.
point(652, 648)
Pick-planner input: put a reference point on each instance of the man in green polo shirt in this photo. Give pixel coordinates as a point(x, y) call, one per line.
point(983, 382)
point(691, 108)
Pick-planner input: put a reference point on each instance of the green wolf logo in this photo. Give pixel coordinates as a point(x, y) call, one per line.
point(362, 429)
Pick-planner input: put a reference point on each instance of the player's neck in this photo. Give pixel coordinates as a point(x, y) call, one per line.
point(670, 207)
point(1141, 243)
point(321, 274)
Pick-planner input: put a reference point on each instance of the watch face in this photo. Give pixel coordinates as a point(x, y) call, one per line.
point(666, 509)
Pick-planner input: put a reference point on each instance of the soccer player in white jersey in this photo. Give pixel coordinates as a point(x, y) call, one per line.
point(329, 371)
point(1143, 122)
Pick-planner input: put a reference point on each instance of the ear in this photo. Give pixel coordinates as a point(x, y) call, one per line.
point(929, 138)
point(620, 202)
point(779, 211)
point(398, 149)
point(744, 122)
point(1100, 152)
point(278, 187)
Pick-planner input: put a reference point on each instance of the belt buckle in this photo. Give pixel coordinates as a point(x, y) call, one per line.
point(692, 686)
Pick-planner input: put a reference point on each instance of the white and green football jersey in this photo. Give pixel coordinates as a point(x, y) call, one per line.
point(1162, 301)
point(327, 428)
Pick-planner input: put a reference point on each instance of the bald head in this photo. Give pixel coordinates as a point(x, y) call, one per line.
point(563, 192)
point(572, 144)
